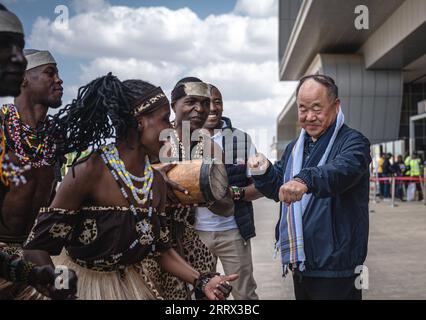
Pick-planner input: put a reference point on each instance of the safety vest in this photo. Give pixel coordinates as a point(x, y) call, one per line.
point(380, 165)
point(415, 167)
point(407, 165)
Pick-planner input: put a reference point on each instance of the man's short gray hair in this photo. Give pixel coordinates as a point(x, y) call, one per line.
point(326, 81)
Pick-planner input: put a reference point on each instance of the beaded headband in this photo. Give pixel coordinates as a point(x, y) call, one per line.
point(151, 101)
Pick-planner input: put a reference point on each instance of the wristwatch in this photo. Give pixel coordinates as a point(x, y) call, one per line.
point(239, 193)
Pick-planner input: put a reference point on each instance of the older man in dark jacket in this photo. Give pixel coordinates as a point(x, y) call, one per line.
point(323, 227)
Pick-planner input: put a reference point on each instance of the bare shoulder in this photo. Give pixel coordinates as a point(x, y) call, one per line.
point(89, 169)
point(79, 184)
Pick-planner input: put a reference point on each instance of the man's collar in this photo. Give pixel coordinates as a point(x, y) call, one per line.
point(308, 138)
point(227, 124)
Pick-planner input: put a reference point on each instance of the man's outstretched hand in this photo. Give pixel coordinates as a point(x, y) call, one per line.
point(258, 164)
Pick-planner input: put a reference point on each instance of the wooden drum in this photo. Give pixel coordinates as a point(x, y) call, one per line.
point(206, 182)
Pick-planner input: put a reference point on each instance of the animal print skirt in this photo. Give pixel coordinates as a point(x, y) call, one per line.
point(195, 252)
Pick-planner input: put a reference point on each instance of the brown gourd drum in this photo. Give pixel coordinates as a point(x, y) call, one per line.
point(206, 182)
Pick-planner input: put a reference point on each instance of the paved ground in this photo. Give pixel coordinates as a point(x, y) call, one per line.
point(396, 258)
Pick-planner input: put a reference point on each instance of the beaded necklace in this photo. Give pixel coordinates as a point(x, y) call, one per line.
point(110, 153)
point(31, 146)
point(115, 165)
point(198, 152)
point(9, 172)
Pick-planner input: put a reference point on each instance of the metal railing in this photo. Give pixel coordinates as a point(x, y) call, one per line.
point(392, 181)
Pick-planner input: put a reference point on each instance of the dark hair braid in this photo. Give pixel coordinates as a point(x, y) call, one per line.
point(102, 110)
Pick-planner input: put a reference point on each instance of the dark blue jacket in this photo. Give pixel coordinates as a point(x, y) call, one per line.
point(335, 223)
point(237, 176)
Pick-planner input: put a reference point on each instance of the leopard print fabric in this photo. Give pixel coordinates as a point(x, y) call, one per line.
point(195, 252)
point(17, 291)
point(89, 232)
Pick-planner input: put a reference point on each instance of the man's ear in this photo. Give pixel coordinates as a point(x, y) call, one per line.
point(173, 107)
point(337, 105)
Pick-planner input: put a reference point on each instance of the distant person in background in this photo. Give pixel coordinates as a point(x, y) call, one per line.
point(386, 172)
point(407, 165)
point(398, 168)
point(380, 174)
point(407, 172)
point(415, 172)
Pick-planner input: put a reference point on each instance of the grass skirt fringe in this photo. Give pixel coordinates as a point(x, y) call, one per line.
point(97, 285)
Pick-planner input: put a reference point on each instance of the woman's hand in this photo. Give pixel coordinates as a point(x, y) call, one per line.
point(219, 288)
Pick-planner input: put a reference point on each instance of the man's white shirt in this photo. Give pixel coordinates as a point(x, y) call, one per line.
point(209, 221)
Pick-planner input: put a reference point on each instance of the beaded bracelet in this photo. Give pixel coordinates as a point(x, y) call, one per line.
point(20, 270)
point(12, 270)
point(26, 271)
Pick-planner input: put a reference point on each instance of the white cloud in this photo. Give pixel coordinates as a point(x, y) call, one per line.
point(243, 81)
point(163, 73)
point(264, 8)
point(159, 34)
point(237, 51)
point(89, 5)
point(257, 117)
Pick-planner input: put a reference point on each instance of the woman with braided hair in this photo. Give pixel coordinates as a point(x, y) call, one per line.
point(108, 213)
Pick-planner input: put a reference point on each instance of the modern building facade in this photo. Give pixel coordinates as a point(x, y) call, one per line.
point(380, 69)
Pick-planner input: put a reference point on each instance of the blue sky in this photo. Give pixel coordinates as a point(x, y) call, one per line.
point(230, 43)
point(29, 10)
